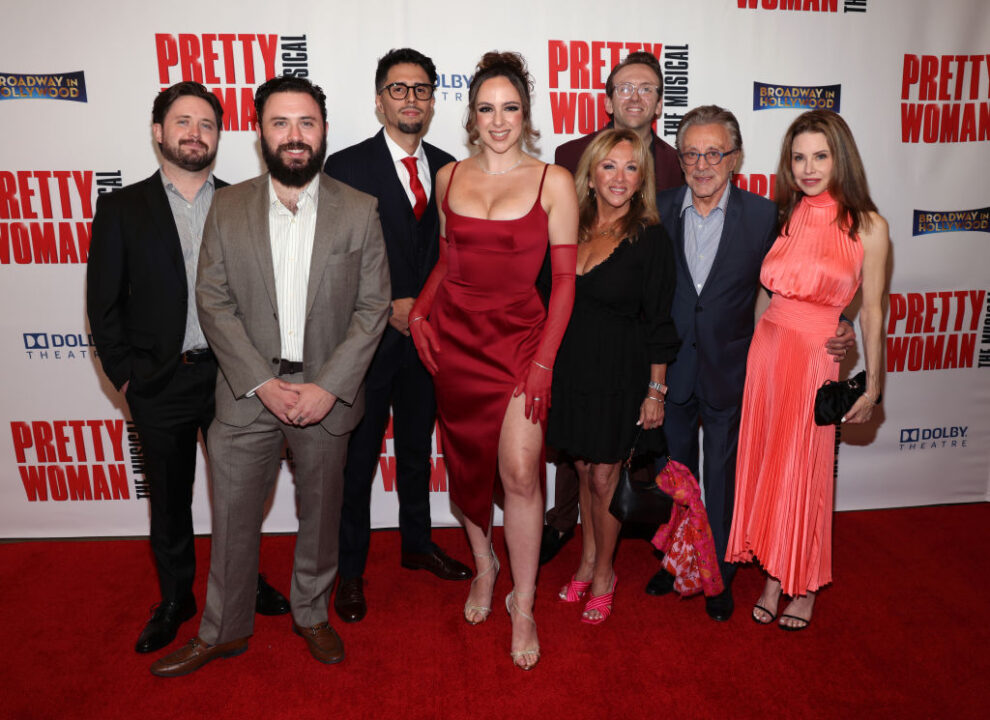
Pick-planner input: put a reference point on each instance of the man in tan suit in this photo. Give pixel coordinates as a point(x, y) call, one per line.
point(293, 293)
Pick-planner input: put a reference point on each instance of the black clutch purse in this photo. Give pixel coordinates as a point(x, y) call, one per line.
point(637, 499)
point(834, 399)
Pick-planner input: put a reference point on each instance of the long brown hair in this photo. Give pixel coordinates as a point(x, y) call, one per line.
point(643, 206)
point(848, 182)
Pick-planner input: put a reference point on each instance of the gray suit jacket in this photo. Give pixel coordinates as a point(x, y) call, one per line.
point(347, 303)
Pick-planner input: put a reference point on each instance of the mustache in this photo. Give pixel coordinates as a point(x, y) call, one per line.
point(296, 145)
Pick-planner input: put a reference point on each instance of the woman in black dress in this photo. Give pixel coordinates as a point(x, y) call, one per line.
point(608, 385)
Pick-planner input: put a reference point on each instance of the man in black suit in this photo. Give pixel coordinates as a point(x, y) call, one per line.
point(720, 235)
point(399, 169)
point(634, 92)
point(141, 275)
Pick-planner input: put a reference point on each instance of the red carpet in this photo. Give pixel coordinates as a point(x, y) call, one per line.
point(902, 633)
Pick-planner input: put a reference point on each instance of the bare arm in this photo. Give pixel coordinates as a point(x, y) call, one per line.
point(876, 245)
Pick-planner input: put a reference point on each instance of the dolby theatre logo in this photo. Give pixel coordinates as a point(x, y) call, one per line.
point(452, 87)
point(58, 346)
point(579, 69)
point(231, 65)
point(931, 438)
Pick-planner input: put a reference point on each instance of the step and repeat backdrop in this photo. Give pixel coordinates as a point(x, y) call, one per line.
point(77, 81)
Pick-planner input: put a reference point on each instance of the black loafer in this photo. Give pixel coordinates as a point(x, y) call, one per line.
point(719, 607)
point(349, 602)
point(660, 584)
point(269, 601)
point(166, 617)
point(552, 542)
point(437, 562)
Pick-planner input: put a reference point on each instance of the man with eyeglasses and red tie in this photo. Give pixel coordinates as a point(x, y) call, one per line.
point(634, 95)
point(399, 169)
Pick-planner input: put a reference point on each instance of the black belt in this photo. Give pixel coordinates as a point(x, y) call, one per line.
point(191, 357)
point(289, 367)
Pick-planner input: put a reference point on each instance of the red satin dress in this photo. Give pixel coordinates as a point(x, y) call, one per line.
point(784, 486)
point(488, 320)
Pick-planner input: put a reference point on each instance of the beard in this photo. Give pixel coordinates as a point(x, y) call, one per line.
point(191, 155)
point(297, 174)
point(411, 128)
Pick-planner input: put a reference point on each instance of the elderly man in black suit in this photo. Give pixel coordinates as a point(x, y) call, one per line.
point(399, 169)
point(141, 276)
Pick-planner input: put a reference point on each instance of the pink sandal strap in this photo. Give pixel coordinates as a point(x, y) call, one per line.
point(601, 603)
point(573, 591)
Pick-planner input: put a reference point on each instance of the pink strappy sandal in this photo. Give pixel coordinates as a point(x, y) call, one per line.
point(601, 603)
point(573, 591)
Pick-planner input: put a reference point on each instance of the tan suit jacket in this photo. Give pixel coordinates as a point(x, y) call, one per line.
point(347, 299)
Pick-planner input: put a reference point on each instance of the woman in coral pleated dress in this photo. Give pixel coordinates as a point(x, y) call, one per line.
point(482, 331)
point(832, 241)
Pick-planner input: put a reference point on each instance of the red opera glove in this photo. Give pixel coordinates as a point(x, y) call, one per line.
point(423, 335)
point(539, 374)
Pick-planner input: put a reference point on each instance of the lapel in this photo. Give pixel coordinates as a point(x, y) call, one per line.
point(161, 216)
point(327, 210)
point(733, 220)
point(677, 234)
point(256, 216)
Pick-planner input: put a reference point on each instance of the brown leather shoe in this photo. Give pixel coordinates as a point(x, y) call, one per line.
point(349, 602)
point(324, 643)
point(194, 656)
point(437, 562)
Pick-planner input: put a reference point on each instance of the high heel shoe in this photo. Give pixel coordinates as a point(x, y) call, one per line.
point(573, 591)
point(510, 605)
point(481, 610)
point(601, 603)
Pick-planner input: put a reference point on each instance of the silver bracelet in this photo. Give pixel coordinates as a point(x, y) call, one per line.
point(659, 387)
point(658, 399)
point(540, 366)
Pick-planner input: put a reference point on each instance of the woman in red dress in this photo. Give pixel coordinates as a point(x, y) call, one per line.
point(832, 240)
point(483, 333)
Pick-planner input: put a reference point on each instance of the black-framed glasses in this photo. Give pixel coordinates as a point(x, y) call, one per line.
point(712, 157)
point(399, 91)
point(625, 90)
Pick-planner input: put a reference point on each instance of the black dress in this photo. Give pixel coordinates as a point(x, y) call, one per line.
point(620, 325)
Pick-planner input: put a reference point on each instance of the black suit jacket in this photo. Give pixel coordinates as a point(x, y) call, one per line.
point(716, 326)
point(136, 288)
point(666, 166)
point(411, 245)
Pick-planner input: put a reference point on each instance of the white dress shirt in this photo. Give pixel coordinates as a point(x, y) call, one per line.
point(422, 166)
point(291, 237)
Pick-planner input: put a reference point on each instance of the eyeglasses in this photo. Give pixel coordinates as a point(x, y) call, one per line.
point(399, 91)
point(712, 157)
point(625, 90)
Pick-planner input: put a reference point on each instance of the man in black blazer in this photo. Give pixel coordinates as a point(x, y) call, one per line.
point(399, 169)
point(141, 274)
point(721, 235)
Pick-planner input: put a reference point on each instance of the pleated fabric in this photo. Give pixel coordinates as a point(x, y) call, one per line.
point(784, 470)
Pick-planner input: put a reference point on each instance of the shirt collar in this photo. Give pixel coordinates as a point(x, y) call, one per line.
point(170, 186)
point(308, 194)
point(722, 203)
point(398, 153)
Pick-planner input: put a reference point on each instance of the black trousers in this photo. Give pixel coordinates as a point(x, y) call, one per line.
point(718, 479)
point(167, 424)
point(407, 388)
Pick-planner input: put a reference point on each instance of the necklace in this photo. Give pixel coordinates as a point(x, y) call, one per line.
point(499, 172)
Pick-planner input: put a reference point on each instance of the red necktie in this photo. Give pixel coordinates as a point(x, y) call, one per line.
point(416, 186)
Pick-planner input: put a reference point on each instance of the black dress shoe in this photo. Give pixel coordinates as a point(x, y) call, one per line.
point(719, 607)
point(437, 562)
point(166, 617)
point(269, 601)
point(552, 542)
point(349, 603)
point(660, 584)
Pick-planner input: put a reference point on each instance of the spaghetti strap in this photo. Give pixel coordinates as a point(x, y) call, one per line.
point(450, 181)
point(539, 192)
